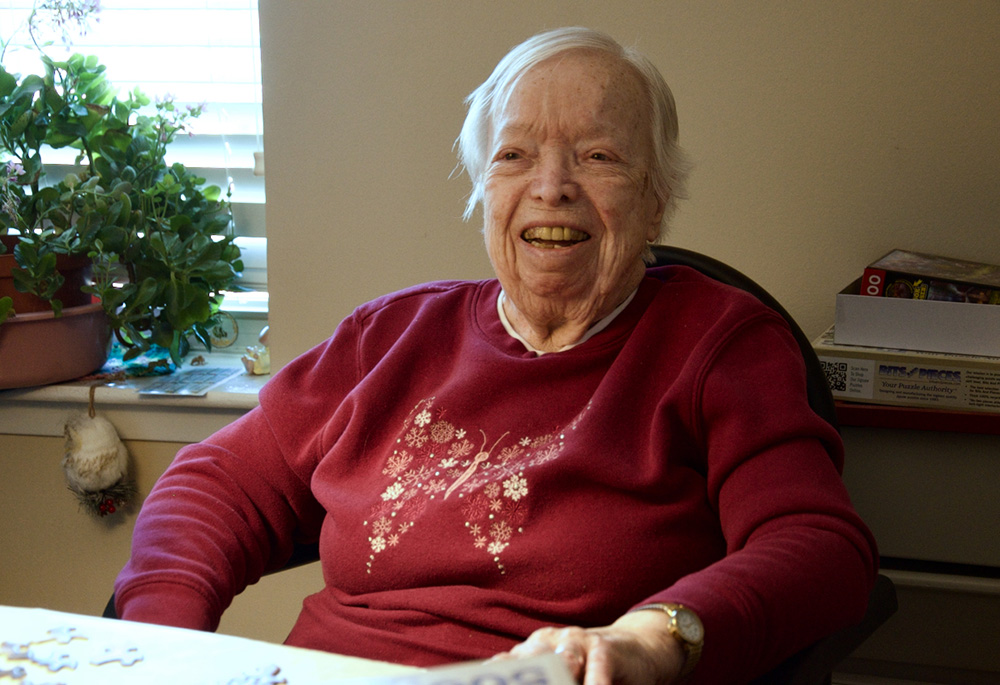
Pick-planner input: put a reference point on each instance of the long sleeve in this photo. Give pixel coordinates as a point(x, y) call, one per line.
point(799, 562)
point(231, 507)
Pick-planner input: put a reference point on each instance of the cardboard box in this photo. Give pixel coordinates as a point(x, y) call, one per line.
point(909, 378)
point(925, 325)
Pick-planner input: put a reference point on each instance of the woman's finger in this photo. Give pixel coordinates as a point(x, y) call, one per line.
point(569, 644)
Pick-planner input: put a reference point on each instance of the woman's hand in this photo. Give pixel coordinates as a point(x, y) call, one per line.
point(637, 649)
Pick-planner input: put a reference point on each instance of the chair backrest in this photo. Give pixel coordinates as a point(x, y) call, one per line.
point(817, 388)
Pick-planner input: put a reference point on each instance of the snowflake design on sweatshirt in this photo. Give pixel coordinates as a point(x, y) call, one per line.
point(434, 461)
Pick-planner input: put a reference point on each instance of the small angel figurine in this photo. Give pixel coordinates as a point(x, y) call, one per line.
point(257, 360)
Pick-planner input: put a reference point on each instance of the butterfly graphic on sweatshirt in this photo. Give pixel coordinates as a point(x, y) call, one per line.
point(436, 461)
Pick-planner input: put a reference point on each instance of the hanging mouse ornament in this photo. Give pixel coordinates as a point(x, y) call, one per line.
point(96, 463)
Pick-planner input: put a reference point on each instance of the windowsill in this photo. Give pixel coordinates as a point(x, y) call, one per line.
point(43, 411)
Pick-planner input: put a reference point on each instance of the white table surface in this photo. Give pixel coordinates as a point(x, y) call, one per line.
point(40, 646)
point(74, 646)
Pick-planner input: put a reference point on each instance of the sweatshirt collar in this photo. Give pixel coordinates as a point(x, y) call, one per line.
point(591, 332)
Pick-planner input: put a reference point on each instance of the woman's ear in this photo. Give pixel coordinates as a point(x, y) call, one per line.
point(656, 222)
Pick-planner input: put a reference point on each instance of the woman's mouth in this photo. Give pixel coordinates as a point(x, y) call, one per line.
point(553, 237)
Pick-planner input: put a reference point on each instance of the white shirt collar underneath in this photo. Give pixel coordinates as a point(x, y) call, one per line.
point(591, 332)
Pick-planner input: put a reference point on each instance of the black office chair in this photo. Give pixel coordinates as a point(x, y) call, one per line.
point(813, 665)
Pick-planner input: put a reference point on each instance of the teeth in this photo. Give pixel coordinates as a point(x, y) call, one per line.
point(554, 234)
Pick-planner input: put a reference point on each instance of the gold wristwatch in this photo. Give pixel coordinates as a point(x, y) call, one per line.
point(686, 628)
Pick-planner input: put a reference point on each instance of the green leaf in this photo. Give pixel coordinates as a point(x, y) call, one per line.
point(212, 193)
point(6, 307)
point(146, 293)
point(7, 83)
point(133, 352)
point(175, 348)
point(186, 305)
point(30, 85)
point(58, 140)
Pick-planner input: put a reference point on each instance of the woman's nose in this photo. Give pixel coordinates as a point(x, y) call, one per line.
point(554, 181)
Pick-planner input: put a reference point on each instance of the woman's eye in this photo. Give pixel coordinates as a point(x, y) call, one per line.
point(510, 156)
point(600, 157)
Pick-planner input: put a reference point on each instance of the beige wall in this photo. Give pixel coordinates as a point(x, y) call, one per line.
point(54, 555)
point(825, 134)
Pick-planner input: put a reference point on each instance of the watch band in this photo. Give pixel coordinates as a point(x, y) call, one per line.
point(691, 635)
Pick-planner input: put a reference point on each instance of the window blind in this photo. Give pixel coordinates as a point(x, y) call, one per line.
point(195, 51)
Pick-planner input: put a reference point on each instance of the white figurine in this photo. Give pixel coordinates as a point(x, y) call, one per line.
point(257, 360)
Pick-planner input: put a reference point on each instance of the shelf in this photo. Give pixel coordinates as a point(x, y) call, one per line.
point(914, 418)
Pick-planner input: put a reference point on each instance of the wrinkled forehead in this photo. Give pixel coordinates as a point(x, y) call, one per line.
point(586, 81)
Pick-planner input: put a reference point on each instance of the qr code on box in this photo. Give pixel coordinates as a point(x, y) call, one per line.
point(836, 375)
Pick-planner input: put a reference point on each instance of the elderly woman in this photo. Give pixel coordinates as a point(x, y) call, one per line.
point(582, 456)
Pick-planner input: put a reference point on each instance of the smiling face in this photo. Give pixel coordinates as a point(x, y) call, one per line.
point(567, 199)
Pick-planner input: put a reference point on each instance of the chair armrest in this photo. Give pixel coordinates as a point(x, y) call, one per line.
point(814, 664)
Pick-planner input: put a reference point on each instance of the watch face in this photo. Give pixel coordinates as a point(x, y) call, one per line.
point(690, 626)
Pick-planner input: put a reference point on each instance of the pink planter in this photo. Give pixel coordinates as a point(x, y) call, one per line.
point(39, 348)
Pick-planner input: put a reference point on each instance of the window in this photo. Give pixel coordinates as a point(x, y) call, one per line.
point(195, 51)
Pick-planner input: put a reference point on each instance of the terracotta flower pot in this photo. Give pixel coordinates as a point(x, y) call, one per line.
point(39, 348)
point(74, 269)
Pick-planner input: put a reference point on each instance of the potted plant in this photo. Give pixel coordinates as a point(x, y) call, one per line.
point(160, 240)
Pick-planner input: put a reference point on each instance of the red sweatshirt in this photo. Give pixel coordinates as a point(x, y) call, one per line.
point(466, 491)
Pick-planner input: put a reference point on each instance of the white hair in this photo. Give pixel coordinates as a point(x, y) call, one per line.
point(670, 165)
